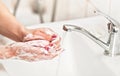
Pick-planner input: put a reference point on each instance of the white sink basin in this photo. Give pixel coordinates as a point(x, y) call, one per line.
point(82, 57)
point(88, 57)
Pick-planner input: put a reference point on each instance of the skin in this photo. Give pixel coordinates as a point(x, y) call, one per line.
point(14, 30)
point(9, 26)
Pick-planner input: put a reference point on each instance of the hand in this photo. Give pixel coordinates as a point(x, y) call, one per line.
point(34, 50)
point(43, 34)
point(39, 34)
point(41, 44)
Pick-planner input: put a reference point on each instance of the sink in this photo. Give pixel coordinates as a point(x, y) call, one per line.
point(81, 56)
point(88, 57)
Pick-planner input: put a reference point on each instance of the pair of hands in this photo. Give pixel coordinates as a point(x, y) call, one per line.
point(39, 44)
point(14, 30)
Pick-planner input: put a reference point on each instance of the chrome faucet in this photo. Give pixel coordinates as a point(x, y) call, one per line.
point(112, 46)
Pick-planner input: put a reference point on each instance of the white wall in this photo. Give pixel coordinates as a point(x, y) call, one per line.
point(66, 9)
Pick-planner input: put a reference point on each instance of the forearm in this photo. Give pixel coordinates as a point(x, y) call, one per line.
point(9, 26)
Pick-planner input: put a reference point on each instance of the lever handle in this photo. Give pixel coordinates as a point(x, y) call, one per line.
point(112, 28)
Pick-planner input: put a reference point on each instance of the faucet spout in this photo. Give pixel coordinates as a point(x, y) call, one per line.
point(103, 44)
point(111, 46)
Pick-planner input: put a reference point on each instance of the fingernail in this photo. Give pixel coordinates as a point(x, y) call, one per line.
point(51, 45)
point(54, 36)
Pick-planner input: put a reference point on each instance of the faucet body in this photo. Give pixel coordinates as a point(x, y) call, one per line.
point(112, 45)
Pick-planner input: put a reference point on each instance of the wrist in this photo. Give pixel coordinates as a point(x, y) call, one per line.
point(23, 33)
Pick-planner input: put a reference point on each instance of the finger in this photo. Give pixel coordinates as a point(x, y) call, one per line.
point(34, 50)
point(49, 56)
point(56, 47)
point(41, 33)
point(48, 31)
point(56, 40)
point(36, 36)
point(56, 43)
point(59, 51)
point(28, 58)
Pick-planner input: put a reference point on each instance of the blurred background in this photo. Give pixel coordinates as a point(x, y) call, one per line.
point(30, 12)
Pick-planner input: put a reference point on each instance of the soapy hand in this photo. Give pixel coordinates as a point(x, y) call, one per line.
point(35, 50)
point(40, 33)
point(41, 44)
point(43, 34)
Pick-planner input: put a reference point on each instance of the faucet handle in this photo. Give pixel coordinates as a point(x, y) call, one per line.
point(112, 28)
point(114, 25)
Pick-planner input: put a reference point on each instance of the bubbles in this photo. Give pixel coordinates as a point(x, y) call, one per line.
point(35, 50)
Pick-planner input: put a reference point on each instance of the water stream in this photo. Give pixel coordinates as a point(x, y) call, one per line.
point(59, 59)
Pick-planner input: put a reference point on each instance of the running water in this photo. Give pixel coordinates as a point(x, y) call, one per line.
point(60, 55)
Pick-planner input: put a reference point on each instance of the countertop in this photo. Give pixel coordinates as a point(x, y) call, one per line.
point(98, 19)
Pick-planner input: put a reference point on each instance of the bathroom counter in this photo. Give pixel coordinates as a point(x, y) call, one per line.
point(3, 71)
point(94, 55)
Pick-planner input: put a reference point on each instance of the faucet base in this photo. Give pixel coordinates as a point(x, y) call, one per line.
point(107, 53)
